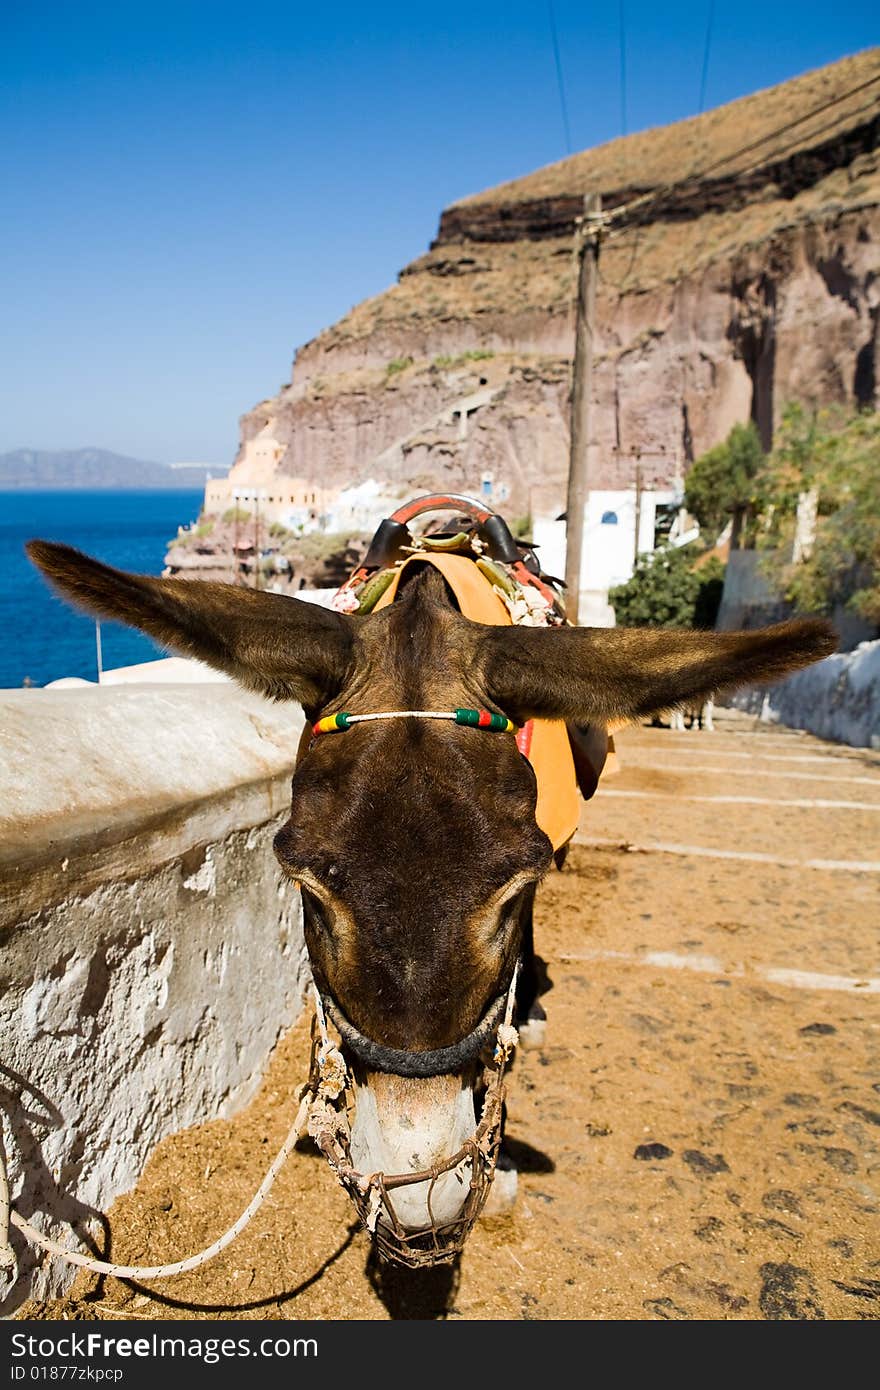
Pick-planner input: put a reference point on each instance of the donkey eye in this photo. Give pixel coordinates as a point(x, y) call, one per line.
point(315, 910)
point(512, 909)
point(507, 918)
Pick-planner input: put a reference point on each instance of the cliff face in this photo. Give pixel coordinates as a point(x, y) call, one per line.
point(749, 277)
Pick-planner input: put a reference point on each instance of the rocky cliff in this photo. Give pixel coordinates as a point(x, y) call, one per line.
point(744, 274)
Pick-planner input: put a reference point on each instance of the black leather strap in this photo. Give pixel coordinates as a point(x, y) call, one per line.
point(401, 1062)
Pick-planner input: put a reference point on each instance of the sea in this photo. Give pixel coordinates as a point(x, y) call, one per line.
point(44, 638)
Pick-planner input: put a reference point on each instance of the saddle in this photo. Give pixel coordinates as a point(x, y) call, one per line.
point(495, 582)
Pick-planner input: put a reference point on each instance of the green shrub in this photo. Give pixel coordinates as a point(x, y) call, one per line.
point(235, 514)
point(834, 454)
point(398, 364)
point(320, 545)
point(474, 355)
point(666, 591)
point(723, 484)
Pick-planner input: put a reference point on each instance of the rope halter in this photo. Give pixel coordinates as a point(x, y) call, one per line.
point(331, 1091)
point(472, 718)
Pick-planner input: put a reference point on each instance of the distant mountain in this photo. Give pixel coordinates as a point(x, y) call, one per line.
point(87, 469)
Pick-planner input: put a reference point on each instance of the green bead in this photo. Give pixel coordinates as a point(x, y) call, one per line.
point(343, 721)
point(499, 723)
point(467, 716)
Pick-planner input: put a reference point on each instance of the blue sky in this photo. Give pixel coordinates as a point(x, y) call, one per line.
point(191, 190)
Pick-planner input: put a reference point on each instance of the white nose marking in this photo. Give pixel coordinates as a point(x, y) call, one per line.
point(402, 1125)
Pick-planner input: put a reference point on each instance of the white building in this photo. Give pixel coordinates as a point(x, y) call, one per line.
point(610, 547)
point(254, 485)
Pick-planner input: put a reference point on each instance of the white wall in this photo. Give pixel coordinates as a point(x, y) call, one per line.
point(837, 699)
point(609, 549)
point(152, 952)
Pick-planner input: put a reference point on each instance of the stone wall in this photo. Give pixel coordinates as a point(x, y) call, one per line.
point(748, 599)
point(150, 951)
point(837, 699)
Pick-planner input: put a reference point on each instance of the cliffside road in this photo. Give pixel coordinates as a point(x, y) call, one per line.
point(700, 1136)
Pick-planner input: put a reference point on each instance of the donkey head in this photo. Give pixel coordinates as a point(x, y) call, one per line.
point(415, 842)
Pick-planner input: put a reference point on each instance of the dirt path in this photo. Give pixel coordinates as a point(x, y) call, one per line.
point(700, 1137)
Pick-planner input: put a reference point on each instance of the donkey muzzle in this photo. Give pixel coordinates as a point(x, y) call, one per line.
point(406, 1125)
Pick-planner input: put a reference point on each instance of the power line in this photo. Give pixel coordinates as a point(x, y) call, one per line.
point(639, 227)
point(622, 19)
point(697, 175)
point(760, 163)
point(616, 214)
point(559, 82)
point(789, 125)
point(706, 48)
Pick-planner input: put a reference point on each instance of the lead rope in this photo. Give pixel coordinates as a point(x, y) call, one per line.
point(507, 1036)
point(332, 1084)
point(7, 1254)
point(331, 1064)
point(8, 1261)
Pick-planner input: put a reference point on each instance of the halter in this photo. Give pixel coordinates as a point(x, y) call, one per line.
point(473, 718)
point(403, 1061)
point(331, 1097)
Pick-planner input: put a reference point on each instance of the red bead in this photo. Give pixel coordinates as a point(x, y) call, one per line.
point(524, 737)
point(485, 719)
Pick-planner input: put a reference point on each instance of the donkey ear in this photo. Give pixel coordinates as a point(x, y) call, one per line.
point(608, 675)
point(281, 647)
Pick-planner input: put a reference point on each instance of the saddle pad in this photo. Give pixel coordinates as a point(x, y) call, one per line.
point(549, 751)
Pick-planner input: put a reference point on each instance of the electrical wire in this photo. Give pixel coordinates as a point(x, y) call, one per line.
point(639, 227)
point(615, 214)
point(559, 80)
point(706, 48)
point(622, 27)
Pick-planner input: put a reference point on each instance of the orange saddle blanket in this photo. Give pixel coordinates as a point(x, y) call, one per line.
point(545, 742)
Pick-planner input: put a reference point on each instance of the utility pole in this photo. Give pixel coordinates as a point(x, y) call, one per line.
point(589, 227)
point(638, 510)
point(257, 539)
point(236, 577)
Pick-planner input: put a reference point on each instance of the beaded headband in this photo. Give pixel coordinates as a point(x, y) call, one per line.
point(475, 718)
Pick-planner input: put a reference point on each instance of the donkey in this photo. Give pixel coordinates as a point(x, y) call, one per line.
point(414, 841)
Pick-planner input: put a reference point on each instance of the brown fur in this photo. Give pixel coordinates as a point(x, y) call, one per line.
point(405, 834)
point(610, 675)
point(403, 831)
point(279, 646)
